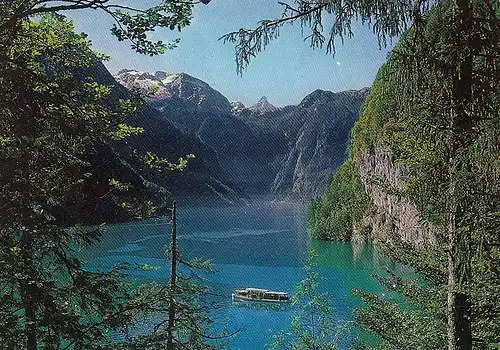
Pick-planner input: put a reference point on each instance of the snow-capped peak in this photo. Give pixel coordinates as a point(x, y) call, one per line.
point(167, 86)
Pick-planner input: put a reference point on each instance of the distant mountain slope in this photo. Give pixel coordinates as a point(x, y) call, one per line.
point(194, 93)
point(316, 133)
point(201, 177)
point(262, 106)
point(241, 152)
point(260, 149)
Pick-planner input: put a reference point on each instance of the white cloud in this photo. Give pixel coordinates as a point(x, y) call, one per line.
point(338, 63)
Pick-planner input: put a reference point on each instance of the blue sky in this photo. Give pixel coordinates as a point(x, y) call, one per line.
point(285, 72)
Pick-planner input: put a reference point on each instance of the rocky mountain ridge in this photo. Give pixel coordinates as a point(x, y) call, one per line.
point(161, 86)
point(261, 149)
point(163, 138)
point(262, 106)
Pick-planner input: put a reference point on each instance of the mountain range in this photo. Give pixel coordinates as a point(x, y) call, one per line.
point(261, 149)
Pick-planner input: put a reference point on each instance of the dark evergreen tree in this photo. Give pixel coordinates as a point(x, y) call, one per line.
point(178, 314)
point(53, 114)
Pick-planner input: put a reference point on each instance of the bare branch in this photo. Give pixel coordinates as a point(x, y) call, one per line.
point(389, 19)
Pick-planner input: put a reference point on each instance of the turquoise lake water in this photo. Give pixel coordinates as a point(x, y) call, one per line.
point(261, 245)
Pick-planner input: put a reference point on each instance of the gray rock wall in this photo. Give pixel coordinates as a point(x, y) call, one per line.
point(383, 182)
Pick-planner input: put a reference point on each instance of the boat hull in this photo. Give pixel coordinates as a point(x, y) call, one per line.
point(236, 297)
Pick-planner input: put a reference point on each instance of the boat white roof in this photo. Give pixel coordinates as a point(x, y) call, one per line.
point(256, 290)
point(262, 291)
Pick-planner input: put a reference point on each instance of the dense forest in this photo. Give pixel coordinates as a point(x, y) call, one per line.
point(420, 180)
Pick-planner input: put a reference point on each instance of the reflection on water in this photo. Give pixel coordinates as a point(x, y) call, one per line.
point(260, 246)
point(256, 305)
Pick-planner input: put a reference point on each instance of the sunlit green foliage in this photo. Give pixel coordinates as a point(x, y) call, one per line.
point(335, 215)
point(373, 128)
point(153, 161)
point(132, 23)
point(51, 113)
point(312, 326)
point(54, 114)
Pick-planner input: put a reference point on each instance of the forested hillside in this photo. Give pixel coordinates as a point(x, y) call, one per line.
point(421, 179)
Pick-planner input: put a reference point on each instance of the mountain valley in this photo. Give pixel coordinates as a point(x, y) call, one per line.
point(258, 150)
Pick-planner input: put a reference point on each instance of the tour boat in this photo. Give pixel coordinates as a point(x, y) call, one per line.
point(257, 294)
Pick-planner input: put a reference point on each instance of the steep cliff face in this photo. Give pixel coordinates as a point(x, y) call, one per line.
point(371, 174)
point(312, 156)
point(317, 132)
point(383, 183)
point(312, 138)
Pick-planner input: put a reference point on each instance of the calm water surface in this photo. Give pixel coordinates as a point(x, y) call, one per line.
point(260, 245)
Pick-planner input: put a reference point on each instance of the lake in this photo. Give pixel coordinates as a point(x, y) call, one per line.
point(260, 245)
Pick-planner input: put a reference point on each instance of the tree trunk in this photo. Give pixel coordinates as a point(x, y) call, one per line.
point(28, 295)
point(458, 307)
point(30, 319)
point(173, 275)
